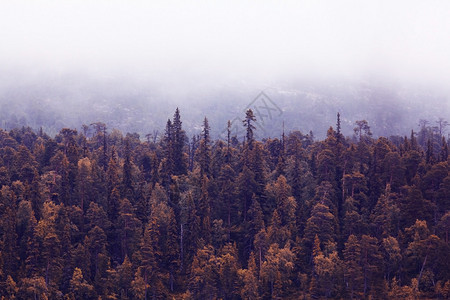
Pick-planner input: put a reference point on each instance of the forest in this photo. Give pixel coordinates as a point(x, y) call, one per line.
point(96, 214)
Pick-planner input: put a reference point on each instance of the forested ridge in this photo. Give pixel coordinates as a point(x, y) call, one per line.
point(101, 215)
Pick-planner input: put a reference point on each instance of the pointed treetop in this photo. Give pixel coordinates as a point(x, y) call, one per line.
point(249, 118)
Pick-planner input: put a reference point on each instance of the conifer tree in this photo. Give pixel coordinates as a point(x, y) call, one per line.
point(325, 274)
point(246, 185)
point(444, 150)
point(338, 128)
point(79, 287)
point(8, 219)
point(248, 124)
point(204, 211)
point(84, 180)
point(204, 278)
point(385, 216)
point(228, 272)
point(33, 288)
point(353, 274)
point(127, 179)
point(276, 270)
point(168, 146)
point(178, 144)
point(204, 151)
point(129, 229)
point(149, 253)
point(370, 261)
point(321, 223)
point(249, 280)
point(392, 256)
point(226, 206)
point(125, 274)
point(113, 196)
point(189, 231)
point(281, 218)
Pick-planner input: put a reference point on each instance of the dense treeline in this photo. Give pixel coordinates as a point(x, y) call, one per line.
point(102, 215)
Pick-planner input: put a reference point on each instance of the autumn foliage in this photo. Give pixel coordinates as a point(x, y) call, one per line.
point(100, 215)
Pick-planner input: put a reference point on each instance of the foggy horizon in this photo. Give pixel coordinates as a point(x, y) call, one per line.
point(240, 149)
point(401, 41)
point(348, 56)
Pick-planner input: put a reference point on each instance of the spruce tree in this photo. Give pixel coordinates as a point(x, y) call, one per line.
point(248, 124)
point(179, 139)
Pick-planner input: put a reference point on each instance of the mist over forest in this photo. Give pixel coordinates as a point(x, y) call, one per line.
point(130, 66)
point(224, 149)
point(124, 103)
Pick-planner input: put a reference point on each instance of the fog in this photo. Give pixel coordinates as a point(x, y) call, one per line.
point(149, 57)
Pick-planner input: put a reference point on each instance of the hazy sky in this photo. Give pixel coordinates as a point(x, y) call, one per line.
point(230, 39)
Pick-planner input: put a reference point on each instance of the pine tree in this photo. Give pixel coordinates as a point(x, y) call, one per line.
point(353, 273)
point(228, 272)
point(370, 261)
point(248, 124)
point(249, 280)
point(179, 138)
point(113, 196)
point(392, 256)
point(246, 187)
point(60, 164)
point(79, 287)
point(321, 223)
point(189, 231)
point(96, 244)
point(362, 130)
point(444, 150)
point(276, 270)
point(204, 277)
point(352, 221)
point(227, 198)
point(29, 247)
point(84, 180)
point(413, 206)
point(168, 146)
point(96, 216)
point(33, 288)
point(125, 274)
point(385, 216)
point(129, 229)
point(338, 128)
point(325, 272)
point(228, 156)
point(429, 152)
point(204, 211)
point(35, 195)
point(8, 234)
point(204, 151)
point(162, 216)
point(150, 253)
point(127, 178)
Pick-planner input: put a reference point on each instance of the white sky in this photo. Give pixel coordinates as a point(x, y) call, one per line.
point(398, 39)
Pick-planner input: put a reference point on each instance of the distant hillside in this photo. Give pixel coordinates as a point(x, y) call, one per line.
point(130, 106)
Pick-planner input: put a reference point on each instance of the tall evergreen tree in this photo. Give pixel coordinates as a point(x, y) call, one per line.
point(127, 177)
point(179, 140)
point(353, 273)
point(248, 124)
point(204, 151)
